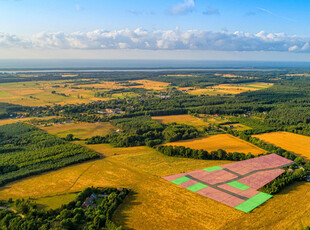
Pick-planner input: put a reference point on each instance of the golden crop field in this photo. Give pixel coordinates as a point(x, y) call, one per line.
point(226, 142)
point(184, 119)
point(38, 93)
point(149, 84)
point(239, 127)
point(226, 89)
point(292, 142)
point(156, 203)
point(80, 130)
point(11, 121)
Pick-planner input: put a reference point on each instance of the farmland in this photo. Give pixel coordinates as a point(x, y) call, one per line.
point(223, 141)
point(157, 204)
point(295, 143)
point(224, 89)
point(184, 119)
point(80, 130)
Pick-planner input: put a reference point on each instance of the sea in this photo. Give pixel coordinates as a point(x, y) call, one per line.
point(99, 65)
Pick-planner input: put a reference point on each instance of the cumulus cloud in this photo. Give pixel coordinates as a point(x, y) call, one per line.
point(162, 40)
point(182, 8)
point(211, 11)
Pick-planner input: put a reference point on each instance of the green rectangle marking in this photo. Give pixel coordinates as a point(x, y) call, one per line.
point(196, 187)
point(211, 169)
point(246, 206)
point(260, 198)
point(253, 202)
point(180, 180)
point(238, 185)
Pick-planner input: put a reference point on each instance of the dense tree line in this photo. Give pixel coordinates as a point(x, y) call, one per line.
point(26, 150)
point(70, 216)
point(220, 154)
point(144, 131)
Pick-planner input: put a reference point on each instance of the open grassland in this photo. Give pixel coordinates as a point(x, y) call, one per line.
point(39, 93)
point(239, 127)
point(292, 142)
point(226, 89)
point(80, 130)
point(158, 204)
point(226, 142)
point(184, 119)
point(152, 85)
point(11, 121)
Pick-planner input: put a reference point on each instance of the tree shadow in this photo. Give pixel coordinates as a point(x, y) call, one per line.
point(128, 204)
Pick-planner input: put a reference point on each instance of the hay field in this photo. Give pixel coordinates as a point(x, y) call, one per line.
point(80, 130)
point(227, 89)
point(39, 93)
point(184, 119)
point(292, 142)
point(149, 84)
point(226, 142)
point(239, 127)
point(158, 204)
point(11, 121)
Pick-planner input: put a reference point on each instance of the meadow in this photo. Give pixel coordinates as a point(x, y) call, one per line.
point(183, 119)
point(81, 130)
point(39, 93)
point(156, 203)
point(292, 142)
point(226, 142)
point(225, 89)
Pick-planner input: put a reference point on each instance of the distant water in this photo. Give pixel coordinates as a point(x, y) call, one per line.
point(138, 65)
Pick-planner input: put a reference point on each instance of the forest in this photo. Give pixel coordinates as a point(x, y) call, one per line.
point(144, 131)
point(25, 150)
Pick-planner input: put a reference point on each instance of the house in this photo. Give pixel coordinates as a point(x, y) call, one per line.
point(308, 178)
point(67, 122)
point(216, 115)
point(231, 127)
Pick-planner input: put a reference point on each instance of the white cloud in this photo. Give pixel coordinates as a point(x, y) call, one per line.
point(161, 40)
point(182, 8)
point(211, 11)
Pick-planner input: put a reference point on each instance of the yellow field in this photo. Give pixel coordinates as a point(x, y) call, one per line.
point(153, 85)
point(38, 93)
point(156, 203)
point(11, 121)
point(226, 142)
point(292, 142)
point(184, 119)
point(80, 130)
point(227, 89)
point(239, 127)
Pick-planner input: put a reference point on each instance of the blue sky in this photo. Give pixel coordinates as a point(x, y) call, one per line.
point(124, 29)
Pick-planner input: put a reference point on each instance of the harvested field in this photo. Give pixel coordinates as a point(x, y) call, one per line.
point(184, 119)
point(227, 89)
point(226, 142)
point(152, 85)
point(80, 130)
point(292, 142)
point(158, 204)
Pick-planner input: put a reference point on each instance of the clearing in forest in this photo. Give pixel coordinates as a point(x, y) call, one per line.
point(226, 89)
point(226, 142)
point(149, 84)
point(80, 130)
point(292, 142)
point(184, 119)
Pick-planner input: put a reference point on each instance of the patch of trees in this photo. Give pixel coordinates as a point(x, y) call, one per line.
point(26, 150)
point(144, 131)
point(69, 216)
point(220, 154)
point(284, 180)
